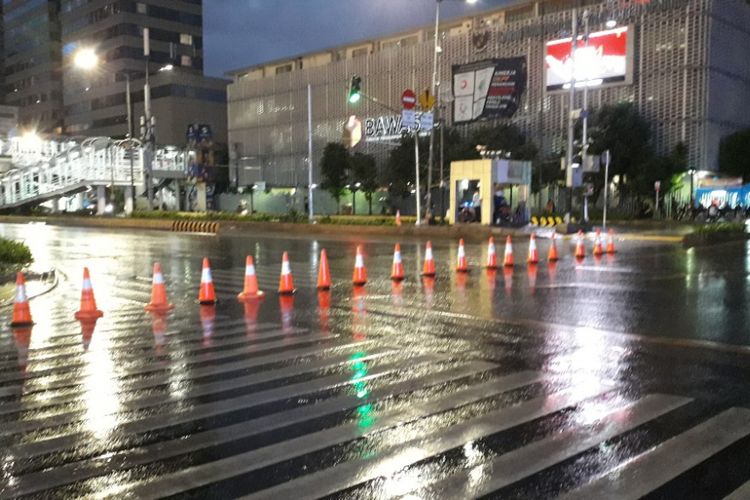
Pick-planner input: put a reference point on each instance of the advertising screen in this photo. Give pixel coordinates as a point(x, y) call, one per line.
point(606, 60)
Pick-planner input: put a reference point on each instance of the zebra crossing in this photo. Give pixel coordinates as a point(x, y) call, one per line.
point(392, 405)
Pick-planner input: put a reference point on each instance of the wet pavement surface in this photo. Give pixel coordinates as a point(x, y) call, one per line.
point(619, 377)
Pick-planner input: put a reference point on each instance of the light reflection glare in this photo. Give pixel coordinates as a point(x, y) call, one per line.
point(100, 391)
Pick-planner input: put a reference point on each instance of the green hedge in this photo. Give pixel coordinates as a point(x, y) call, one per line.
point(721, 227)
point(294, 217)
point(14, 255)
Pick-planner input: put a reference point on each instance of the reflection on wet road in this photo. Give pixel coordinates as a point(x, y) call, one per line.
point(622, 376)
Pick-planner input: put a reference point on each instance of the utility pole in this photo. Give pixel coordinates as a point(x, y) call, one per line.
point(431, 155)
point(148, 125)
point(310, 211)
point(416, 169)
point(571, 120)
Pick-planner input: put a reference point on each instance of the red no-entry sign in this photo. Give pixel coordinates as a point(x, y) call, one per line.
point(408, 99)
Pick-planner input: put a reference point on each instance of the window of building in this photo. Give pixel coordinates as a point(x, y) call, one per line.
point(287, 68)
point(362, 51)
point(141, 8)
point(186, 39)
point(186, 61)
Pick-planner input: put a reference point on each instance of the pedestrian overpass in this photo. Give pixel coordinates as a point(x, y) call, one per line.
point(35, 171)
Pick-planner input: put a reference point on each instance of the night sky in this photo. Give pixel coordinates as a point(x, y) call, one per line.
point(241, 33)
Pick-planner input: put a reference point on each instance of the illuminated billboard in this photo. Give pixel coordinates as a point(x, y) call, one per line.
point(607, 60)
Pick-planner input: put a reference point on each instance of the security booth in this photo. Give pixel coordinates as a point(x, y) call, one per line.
point(478, 180)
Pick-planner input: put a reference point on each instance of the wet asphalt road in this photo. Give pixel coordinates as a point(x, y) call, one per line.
point(614, 378)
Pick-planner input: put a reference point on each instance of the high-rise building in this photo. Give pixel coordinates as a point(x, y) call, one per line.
point(95, 99)
point(43, 36)
point(32, 62)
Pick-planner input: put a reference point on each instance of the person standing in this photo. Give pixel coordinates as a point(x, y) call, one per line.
point(476, 204)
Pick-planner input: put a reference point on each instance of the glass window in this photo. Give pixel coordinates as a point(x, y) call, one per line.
point(186, 61)
point(186, 39)
point(141, 8)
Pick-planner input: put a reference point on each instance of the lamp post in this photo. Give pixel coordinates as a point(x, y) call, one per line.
point(87, 59)
point(435, 83)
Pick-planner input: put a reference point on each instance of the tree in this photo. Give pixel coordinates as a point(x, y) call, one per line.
point(626, 134)
point(507, 138)
point(400, 165)
point(334, 170)
point(734, 154)
point(364, 171)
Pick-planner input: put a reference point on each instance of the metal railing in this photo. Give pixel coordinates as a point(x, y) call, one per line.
point(42, 170)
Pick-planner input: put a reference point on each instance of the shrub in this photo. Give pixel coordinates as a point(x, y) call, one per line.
point(721, 228)
point(14, 255)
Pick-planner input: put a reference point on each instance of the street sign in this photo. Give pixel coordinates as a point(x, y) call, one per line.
point(427, 100)
point(408, 99)
point(408, 119)
point(426, 121)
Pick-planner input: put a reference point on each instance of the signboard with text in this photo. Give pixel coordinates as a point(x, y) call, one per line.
point(488, 89)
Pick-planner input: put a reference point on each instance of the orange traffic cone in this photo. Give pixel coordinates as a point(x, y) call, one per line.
point(580, 248)
point(533, 257)
point(491, 254)
point(250, 291)
point(159, 302)
point(88, 309)
point(398, 218)
point(508, 260)
point(286, 283)
point(21, 309)
point(552, 255)
point(428, 270)
point(598, 249)
point(324, 272)
point(359, 277)
point(611, 243)
point(461, 265)
point(397, 270)
point(207, 294)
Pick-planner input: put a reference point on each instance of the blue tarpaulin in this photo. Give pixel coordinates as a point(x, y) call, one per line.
point(732, 196)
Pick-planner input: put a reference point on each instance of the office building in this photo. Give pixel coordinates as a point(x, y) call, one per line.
point(32, 62)
point(63, 98)
point(683, 63)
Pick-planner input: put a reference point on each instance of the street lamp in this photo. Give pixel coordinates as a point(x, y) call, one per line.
point(87, 59)
point(435, 83)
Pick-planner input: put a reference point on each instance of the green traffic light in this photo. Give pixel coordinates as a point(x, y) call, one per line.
point(355, 89)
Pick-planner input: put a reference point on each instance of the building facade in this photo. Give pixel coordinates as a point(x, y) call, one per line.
point(32, 62)
point(93, 102)
point(686, 71)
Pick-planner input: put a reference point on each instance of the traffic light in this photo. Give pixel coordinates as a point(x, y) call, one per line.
point(355, 90)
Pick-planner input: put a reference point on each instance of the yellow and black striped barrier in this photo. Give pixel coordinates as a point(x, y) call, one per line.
point(195, 226)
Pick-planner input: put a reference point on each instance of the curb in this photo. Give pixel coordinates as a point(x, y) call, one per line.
point(56, 273)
